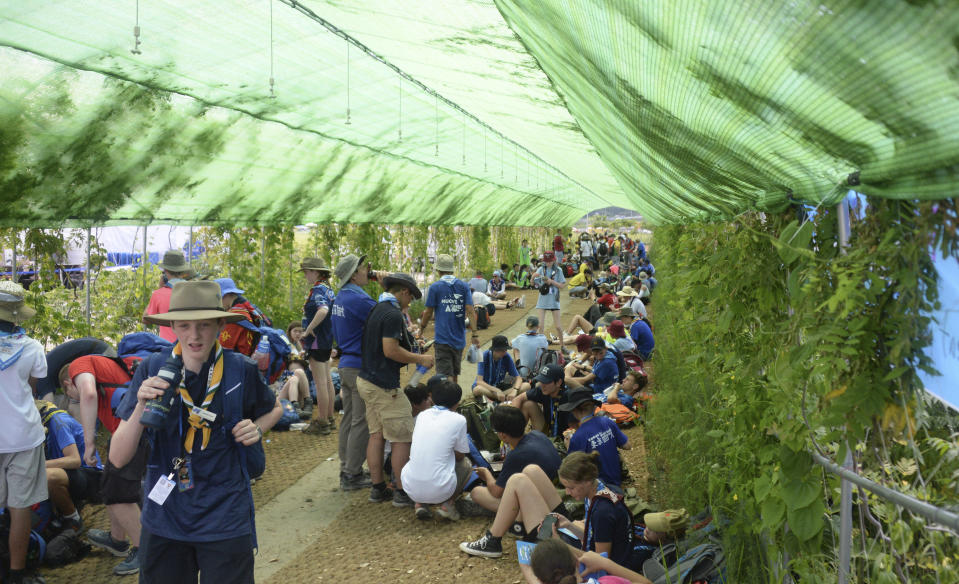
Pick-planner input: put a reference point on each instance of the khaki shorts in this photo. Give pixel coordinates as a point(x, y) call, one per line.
point(448, 360)
point(23, 478)
point(387, 411)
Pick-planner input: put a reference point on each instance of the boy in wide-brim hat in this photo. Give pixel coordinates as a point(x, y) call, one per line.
point(203, 519)
point(23, 478)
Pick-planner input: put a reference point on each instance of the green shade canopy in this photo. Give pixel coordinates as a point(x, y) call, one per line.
point(513, 113)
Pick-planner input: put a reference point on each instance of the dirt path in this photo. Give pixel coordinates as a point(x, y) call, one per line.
point(309, 531)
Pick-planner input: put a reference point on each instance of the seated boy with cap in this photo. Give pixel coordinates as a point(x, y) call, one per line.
point(496, 376)
point(539, 404)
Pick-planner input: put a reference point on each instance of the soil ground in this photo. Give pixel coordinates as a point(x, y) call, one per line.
point(309, 531)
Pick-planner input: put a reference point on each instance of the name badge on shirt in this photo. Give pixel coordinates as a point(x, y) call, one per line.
point(205, 414)
point(162, 489)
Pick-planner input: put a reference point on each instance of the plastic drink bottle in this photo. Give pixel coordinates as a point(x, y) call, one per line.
point(417, 375)
point(156, 410)
point(262, 353)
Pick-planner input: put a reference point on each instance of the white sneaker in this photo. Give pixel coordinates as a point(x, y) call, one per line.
point(522, 302)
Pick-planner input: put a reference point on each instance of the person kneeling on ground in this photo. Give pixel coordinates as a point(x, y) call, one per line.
point(596, 433)
point(496, 376)
point(539, 404)
point(553, 562)
point(221, 406)
point(438, 467)
point(533, 448)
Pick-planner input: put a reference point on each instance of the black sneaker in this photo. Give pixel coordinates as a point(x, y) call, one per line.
point(486, 546)
point(467, 507)
point(354, 482)
point(423, 512)
point(102, 539)
point(517, 530)
point(23, 578)
point(380, 495)
point(401, 499)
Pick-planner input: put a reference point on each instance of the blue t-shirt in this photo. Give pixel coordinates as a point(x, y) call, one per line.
point(609, 523)
point(643, 337)
point(601, 434)
point(64, 430)
point(606, 372)
point(624, 398)
point(494, 371)
point(530, 345)
point(533, 448)
point(320, 297)
point(448, 297)
point(350, 309)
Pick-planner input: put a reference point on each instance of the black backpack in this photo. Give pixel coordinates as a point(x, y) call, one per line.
point(620, 363)
point(545, 358)
point(482, 317)
point(603, 248)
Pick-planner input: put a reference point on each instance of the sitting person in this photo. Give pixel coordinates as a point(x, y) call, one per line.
point(492, 382)
point(539, 405)
point(478, 283)
point(596, 433)
point(606, 298)
point(528, 346)
point(642, 335)
point(615, 335)
point(523, 280)
point(525, 449)
point(419, 397)
point(496, 289)
point(513, 277)
point(625, 393)
point(70, 480)
point(294, 382)
point(553, 562)
point(603, 373)
point(659, 529)
point(438, 468)
point(629, 298)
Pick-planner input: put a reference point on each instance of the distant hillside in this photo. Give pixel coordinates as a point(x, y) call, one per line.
point(611, 213)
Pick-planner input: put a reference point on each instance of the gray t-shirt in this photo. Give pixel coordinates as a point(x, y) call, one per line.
point(478, 285)
point(529, 347)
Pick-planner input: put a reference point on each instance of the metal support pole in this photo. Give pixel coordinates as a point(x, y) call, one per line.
point(189, 257)
point(89, 236)
point(262, 261)
point(14, 275)
point(845, 492)
point(145, 260)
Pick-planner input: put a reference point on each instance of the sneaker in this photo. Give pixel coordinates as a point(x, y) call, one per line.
point(318, 427)
point(486, 546)
point(102, 539)
point(380, 495)
point(448, 511)
point(521, 303)
point(131, 565)
point(74, 526)
point(467, 507)
point(423, 512)
point(401, 499)
point(517, 530)
point(332, 422)
point(354, 482)
point(23, 578)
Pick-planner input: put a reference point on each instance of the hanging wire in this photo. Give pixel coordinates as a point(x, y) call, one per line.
point(463, 126)
point(485, 167)
point(272, 81)
point(348, 122)
point(136, 32)
point(515, 162)
point(436, 115)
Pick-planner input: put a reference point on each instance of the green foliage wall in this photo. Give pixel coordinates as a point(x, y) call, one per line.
point(771, 344)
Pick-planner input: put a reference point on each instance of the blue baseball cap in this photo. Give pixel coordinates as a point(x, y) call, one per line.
point(228, 286)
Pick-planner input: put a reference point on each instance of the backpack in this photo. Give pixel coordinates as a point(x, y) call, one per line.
point(289, 416)
point(65, 548)
point(593, 313)
point(603, 248)
point(280, 348)
point(702, 563)
point(545, 358)
point(478, 425)
point(259, 317)
point(620, 363)
point(482, 317)
point(131, 351)
point(36, 547)
point(622, 415)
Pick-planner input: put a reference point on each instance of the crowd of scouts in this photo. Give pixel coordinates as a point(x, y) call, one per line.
point(175, 478)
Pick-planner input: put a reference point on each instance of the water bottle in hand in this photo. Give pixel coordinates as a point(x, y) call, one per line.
point(262, 353)
point(417, 375)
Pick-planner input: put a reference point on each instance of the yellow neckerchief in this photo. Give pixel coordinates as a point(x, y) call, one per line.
point(212, 384)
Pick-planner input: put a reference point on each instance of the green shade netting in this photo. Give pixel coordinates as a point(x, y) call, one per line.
point(682, 110)
point(704, 109)
point(92, 134)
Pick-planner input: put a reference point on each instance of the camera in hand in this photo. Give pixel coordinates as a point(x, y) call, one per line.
point(370, 274)
point(156, 410)
point(544, 289)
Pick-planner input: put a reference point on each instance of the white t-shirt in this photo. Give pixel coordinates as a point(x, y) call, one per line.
point(20, 427)
point(480, 299)
point(430, 475)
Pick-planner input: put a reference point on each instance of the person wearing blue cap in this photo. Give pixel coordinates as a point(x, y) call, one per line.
point(235, 336)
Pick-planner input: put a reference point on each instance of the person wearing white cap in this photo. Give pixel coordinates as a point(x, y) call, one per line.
point(23, 476)
point(496, 289)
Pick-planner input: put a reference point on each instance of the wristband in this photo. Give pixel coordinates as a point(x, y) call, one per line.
point(259, 430)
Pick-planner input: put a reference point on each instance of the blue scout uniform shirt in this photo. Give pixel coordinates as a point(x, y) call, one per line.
point(641, 334)
point(64, 430)
point(320, 297)
point(601, 434)
point(219, 506)
point(448, 298)
point(350, 309)
point(606, 372)
point(494, 371)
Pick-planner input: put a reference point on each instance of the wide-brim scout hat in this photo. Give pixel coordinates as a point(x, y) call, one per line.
point(347, 266)
point(174, 261)
point(499, 343)
point(578, 396)
point(404, 280)
point(193, 301)
point(12, 306)
point(444, 263)
point(315, 264)
point(627, 291)
point(668, 521)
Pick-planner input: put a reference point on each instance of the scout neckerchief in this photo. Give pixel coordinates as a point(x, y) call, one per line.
point(212, 384)
point(10, 347)
point(615, 498)
point(388, 297)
